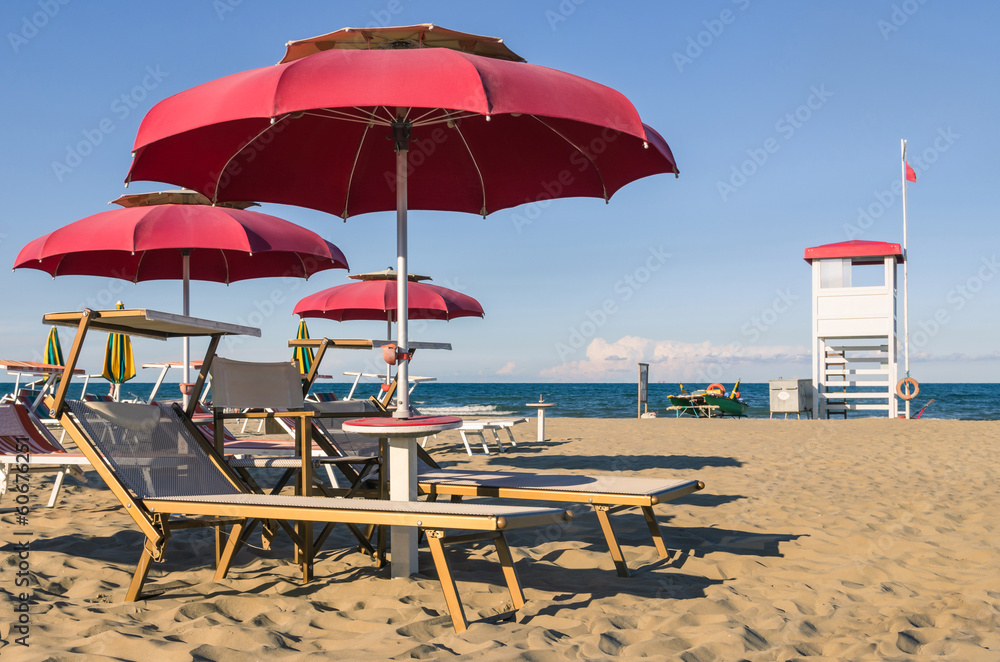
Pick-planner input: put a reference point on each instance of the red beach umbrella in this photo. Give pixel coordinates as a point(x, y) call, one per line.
point(374, 298)
point(486, 134)
point(181, 242)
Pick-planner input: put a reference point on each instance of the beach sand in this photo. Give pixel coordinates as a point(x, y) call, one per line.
point(841, 540)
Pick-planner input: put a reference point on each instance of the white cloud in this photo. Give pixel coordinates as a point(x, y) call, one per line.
point(507, 369)
point(670, 360)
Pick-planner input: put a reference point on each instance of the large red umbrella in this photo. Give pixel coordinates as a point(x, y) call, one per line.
point(181, 242)
point(486, 133)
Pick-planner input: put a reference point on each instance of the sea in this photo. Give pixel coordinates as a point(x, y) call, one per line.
point(979, 402)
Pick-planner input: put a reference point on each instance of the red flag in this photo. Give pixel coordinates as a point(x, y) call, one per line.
point(911, 175)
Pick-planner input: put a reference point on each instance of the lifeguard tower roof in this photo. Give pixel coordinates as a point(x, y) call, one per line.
point(854, 249)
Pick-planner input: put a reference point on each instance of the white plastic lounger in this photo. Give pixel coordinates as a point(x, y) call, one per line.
point(25, 442)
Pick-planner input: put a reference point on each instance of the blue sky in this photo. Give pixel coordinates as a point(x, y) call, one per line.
point(702, 276)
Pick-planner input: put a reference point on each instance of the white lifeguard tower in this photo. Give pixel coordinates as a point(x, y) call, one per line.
point(854, 327)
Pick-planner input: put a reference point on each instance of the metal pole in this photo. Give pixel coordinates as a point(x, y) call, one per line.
point(402, 454)
point(401, 135)
point(186, 309)
point(906, 262)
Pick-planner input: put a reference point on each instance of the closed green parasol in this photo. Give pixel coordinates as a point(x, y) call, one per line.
point(119, 365)
point(303, 355)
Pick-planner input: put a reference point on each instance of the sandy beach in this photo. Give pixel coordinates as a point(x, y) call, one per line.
point(840, 540)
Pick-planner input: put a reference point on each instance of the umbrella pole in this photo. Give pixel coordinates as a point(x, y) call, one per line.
point(402, 456)
point(388, 336)
point(186, 310)
point(401, 135)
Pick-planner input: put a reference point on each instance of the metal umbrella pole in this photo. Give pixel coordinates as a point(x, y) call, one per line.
point(402, 460)
point(186, 309)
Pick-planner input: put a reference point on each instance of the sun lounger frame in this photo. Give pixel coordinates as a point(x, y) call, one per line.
point(153, 515)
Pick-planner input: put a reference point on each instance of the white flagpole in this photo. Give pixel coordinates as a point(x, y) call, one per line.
point(906, 262)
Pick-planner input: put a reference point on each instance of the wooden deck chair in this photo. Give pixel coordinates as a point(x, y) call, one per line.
point(27, 446)
point(608, 494)
point(159, 466)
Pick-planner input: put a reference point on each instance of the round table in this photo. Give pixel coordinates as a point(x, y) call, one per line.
point(541, 406)
point(402, 434)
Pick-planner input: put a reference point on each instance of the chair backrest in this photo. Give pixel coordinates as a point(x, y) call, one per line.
point(246, 385)
point(150, 449)
point(19, 426)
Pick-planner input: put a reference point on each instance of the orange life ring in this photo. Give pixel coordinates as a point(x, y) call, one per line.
point(903, 393)
point(716, 387)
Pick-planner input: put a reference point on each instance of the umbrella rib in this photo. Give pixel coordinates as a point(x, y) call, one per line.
point(354, 166)
point(225, 262)
point(215, 191)
point(479, 173)
point(548, 126)
point(336, 114)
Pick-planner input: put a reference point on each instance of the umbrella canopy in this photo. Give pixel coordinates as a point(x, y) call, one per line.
point(119, 365)
point(375, 299)
point(182, 240)
point(53, 350)
point(425, 35)
point(487, 134)
point(303, 356)
point(149, 243)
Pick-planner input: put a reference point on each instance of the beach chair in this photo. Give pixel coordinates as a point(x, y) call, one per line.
point(608, 494)
point(27, 446)
point(159, 466)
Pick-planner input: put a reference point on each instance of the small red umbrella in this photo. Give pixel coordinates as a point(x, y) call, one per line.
point(181, 241)
point(374, 298)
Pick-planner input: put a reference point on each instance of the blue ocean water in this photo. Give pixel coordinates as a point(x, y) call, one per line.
point(951, 401)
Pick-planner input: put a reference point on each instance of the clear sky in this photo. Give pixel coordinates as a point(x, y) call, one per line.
point(676, 272)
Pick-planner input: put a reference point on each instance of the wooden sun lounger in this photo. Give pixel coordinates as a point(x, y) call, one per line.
point(155, 482)
point(608, 494)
